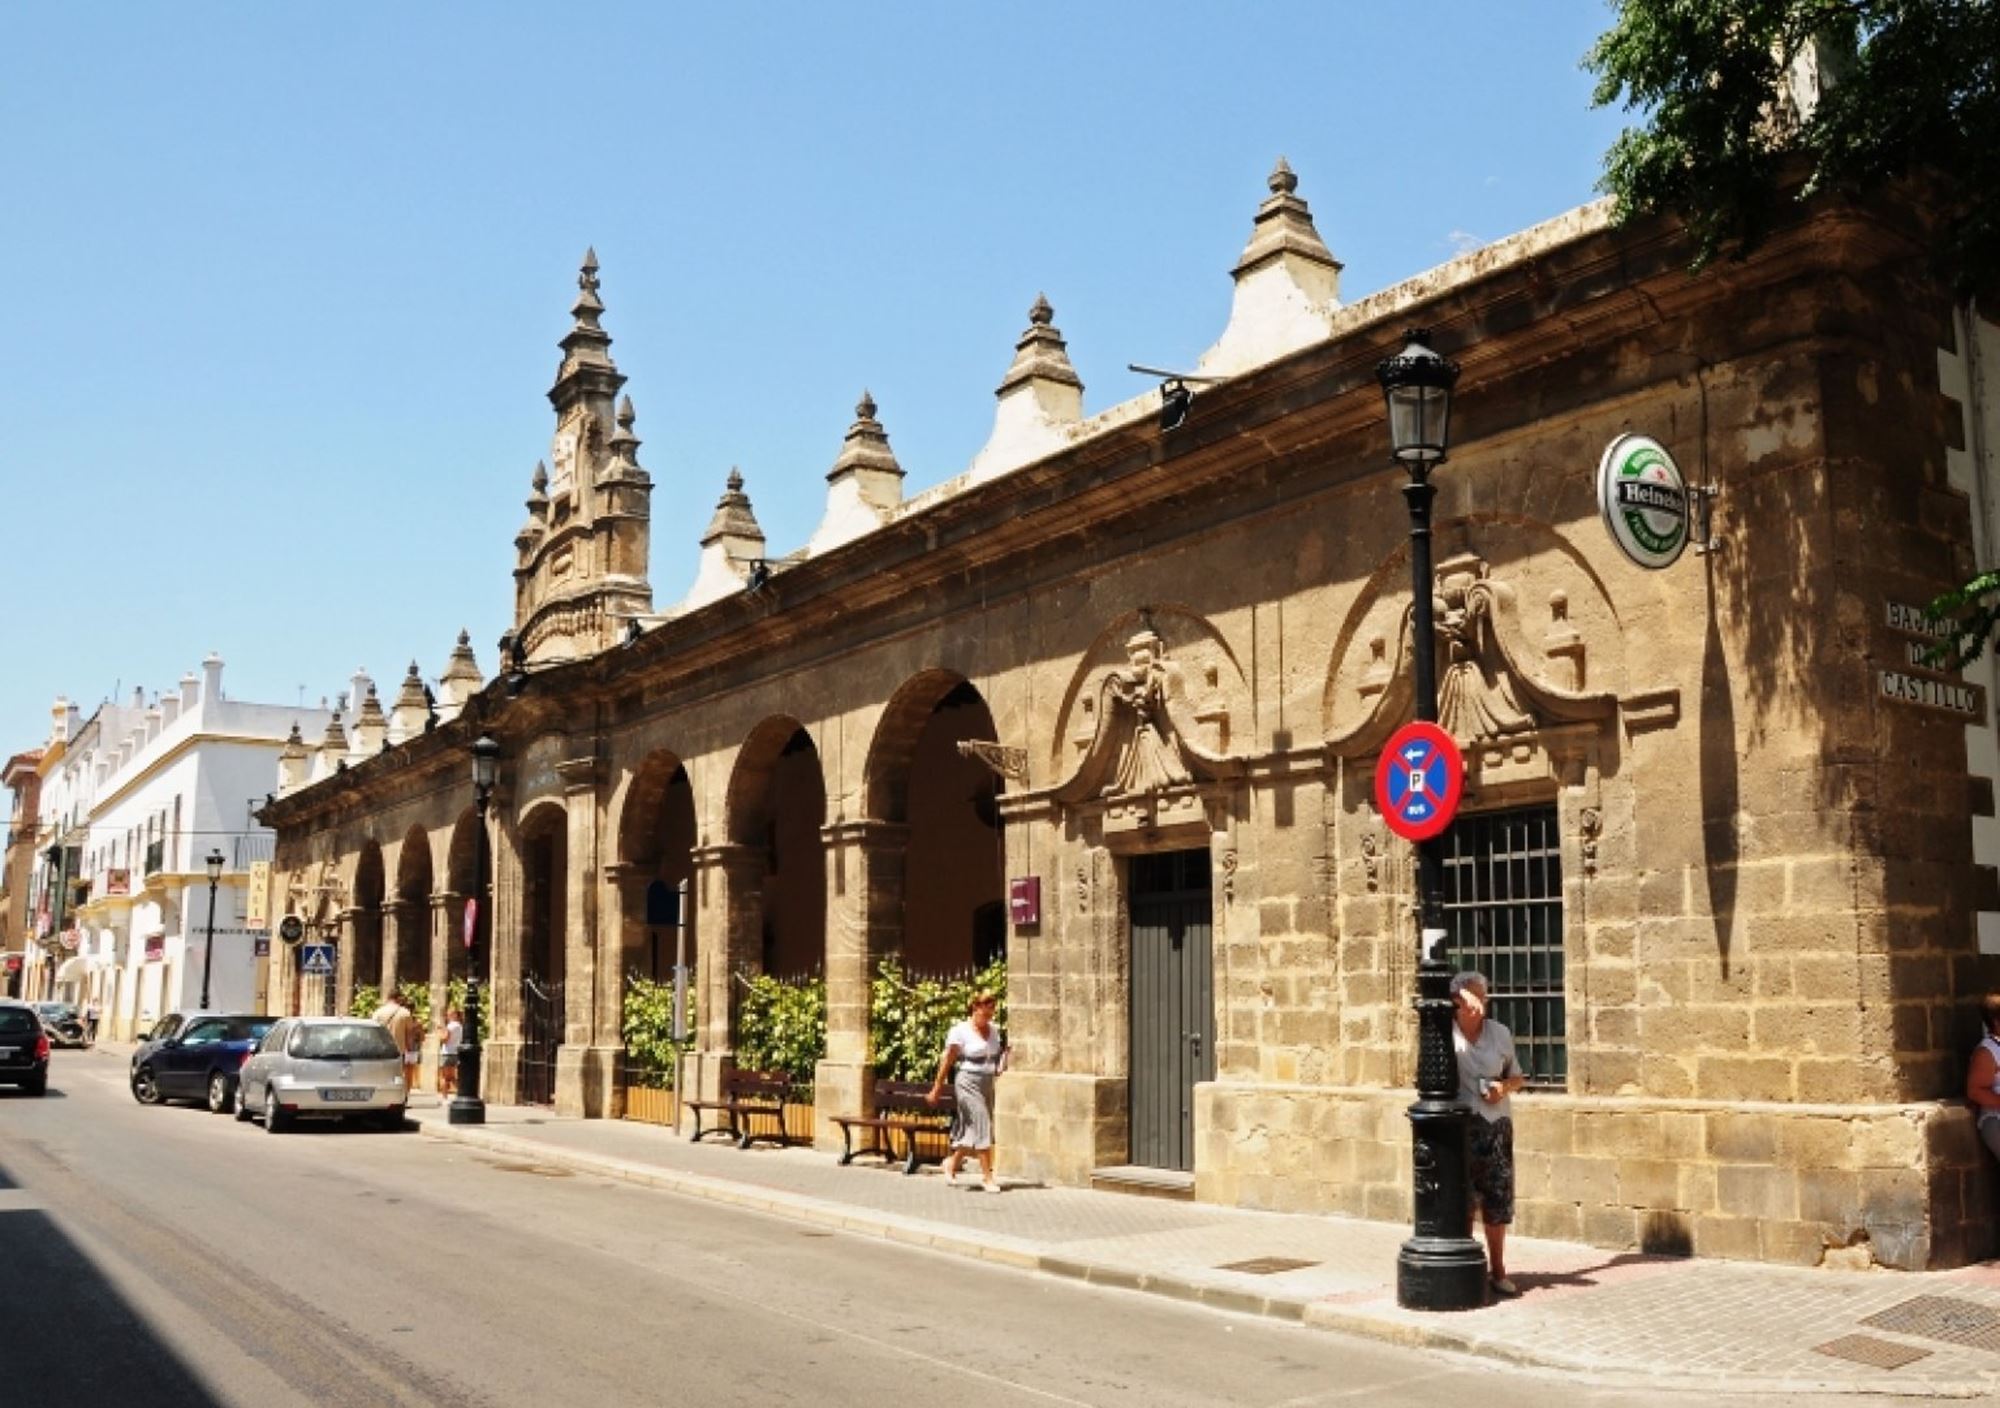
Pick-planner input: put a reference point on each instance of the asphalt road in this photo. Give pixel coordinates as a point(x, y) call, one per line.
point(167, 1257)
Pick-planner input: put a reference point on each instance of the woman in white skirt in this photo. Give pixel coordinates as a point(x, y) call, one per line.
point(974, 1053)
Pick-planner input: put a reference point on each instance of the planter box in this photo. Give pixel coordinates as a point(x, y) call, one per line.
point(652, 1106)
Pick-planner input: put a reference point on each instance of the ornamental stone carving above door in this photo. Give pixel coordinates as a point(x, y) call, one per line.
point(1145, 730)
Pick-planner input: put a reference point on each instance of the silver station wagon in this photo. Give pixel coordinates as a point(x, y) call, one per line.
point(342, 1066)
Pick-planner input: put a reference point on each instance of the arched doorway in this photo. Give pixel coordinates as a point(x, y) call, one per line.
point(656, 840)
point(364, 965)
point(411, 950)
point(953, 891)
point(544, 843)
point(777, 804)
point(462, 882)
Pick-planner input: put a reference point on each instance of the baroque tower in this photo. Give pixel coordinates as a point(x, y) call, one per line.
point(580, 567)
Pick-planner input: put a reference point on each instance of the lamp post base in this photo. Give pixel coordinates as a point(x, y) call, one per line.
point(467, 1109)
point(1441, 1273)
point(1441, 1267)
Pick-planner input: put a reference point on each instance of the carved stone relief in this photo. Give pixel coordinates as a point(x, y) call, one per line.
point(1513, 707)
point(1152, 728)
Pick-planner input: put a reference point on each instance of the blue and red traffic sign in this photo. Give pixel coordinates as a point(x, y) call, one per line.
point(1418, 780)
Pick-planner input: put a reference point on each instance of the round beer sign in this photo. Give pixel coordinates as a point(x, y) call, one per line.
point(291, 929)
point(1644, 500)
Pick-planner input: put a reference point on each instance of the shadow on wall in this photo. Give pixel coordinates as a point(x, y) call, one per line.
point(81, 1343)
point(1721, 784)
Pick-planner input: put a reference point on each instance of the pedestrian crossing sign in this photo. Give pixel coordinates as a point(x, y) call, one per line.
point(316, 960)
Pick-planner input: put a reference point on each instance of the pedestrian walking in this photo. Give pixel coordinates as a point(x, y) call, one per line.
point(1982, 1081)
point(454, 1032)
point(408, 1036)
point(975, 1052)
point(1488, 1075)
point(90, 1015)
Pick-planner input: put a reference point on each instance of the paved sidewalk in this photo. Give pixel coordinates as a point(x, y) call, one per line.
point(1609, 1315)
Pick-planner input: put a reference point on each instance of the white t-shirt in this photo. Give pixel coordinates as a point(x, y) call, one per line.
point(1489, 1058)
point(453, 1031)
point(972, 1047)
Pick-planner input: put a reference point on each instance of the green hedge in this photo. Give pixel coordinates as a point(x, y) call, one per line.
point(649, 1032)
point(782, 1026)
point(908, 1016)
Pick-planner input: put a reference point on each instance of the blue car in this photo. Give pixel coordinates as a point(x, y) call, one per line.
point(196, 1056)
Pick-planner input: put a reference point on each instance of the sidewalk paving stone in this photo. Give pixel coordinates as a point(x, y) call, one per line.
point(1617, 1316)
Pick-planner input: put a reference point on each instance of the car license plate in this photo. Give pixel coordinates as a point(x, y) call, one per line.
point(348, 1092)
point(8, 1052)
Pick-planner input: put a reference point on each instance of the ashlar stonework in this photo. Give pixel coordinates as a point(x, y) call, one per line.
point(1761, 961)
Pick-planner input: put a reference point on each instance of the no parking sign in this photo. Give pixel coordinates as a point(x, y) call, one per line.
point(1418, 780)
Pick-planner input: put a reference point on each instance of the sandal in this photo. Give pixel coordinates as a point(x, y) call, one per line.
point(1504, 1288)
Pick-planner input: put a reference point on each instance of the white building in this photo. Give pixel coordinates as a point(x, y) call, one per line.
point(141, 798)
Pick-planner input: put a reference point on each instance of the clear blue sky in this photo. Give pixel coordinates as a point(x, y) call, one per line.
point(281, 284)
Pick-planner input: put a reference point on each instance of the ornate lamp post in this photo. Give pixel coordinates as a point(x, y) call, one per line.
point(466, 1106)
point(214, 864)
point(1440, 1267)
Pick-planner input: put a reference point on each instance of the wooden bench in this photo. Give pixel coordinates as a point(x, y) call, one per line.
point(746, 1095)
point(901, 1106)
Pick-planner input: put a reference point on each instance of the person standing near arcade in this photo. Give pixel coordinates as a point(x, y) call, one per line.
point(1488, 1075)
point(974, 1053)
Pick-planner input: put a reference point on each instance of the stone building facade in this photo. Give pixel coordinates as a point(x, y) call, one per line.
point(1719, 866)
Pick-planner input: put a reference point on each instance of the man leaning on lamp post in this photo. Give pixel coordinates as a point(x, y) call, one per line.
point(1488, 1074)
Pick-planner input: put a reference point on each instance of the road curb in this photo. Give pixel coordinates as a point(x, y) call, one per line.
point(1440, 1334)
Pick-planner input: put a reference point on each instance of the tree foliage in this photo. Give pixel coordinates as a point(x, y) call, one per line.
point(1911, 87)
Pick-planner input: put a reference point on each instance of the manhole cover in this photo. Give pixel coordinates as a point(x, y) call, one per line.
point(1943, 1318)
point(1866, 1349)
point(539, 1170)
point(1266, 1265)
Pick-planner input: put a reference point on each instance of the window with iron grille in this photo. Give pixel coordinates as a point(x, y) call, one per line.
point(1503, 904)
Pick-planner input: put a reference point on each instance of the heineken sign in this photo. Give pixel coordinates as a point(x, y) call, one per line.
point(1644, 500)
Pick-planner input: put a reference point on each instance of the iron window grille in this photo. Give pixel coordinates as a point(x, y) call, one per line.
point(1503, 905)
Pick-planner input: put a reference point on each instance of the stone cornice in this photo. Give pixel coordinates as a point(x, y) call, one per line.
point(864, 831)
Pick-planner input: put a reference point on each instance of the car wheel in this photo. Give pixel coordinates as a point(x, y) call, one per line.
point(242, 1104)
point(38, 1086)
point(391, 1121)
point(145, 1089)
point(221, 1093)
point(275, 1119)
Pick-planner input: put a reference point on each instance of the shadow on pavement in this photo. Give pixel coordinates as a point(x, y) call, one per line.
point(75, 1340)
point(14, 1092)
point(1584, 1276)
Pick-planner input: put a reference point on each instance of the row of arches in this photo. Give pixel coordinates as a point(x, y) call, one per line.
point(933, 815)
point(775, 809)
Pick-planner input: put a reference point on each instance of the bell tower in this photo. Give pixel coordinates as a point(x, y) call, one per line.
point(580, 557)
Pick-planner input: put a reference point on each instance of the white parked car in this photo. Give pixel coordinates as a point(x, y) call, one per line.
point(341, 1066)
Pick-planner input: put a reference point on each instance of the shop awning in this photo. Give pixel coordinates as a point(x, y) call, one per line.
point(75, 970)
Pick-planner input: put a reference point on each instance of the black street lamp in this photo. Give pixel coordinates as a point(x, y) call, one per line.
point(466, 1106)
point(208, 953)
point(1440, 1267)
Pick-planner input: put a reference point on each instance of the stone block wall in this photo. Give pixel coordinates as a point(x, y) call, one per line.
point(1904, 1186)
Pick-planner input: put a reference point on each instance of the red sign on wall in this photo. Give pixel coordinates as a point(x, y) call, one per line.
point(1024, 900)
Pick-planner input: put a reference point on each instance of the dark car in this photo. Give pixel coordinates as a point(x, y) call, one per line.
point(195, 1056)
point(24, 1048)
point(64, 1027)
